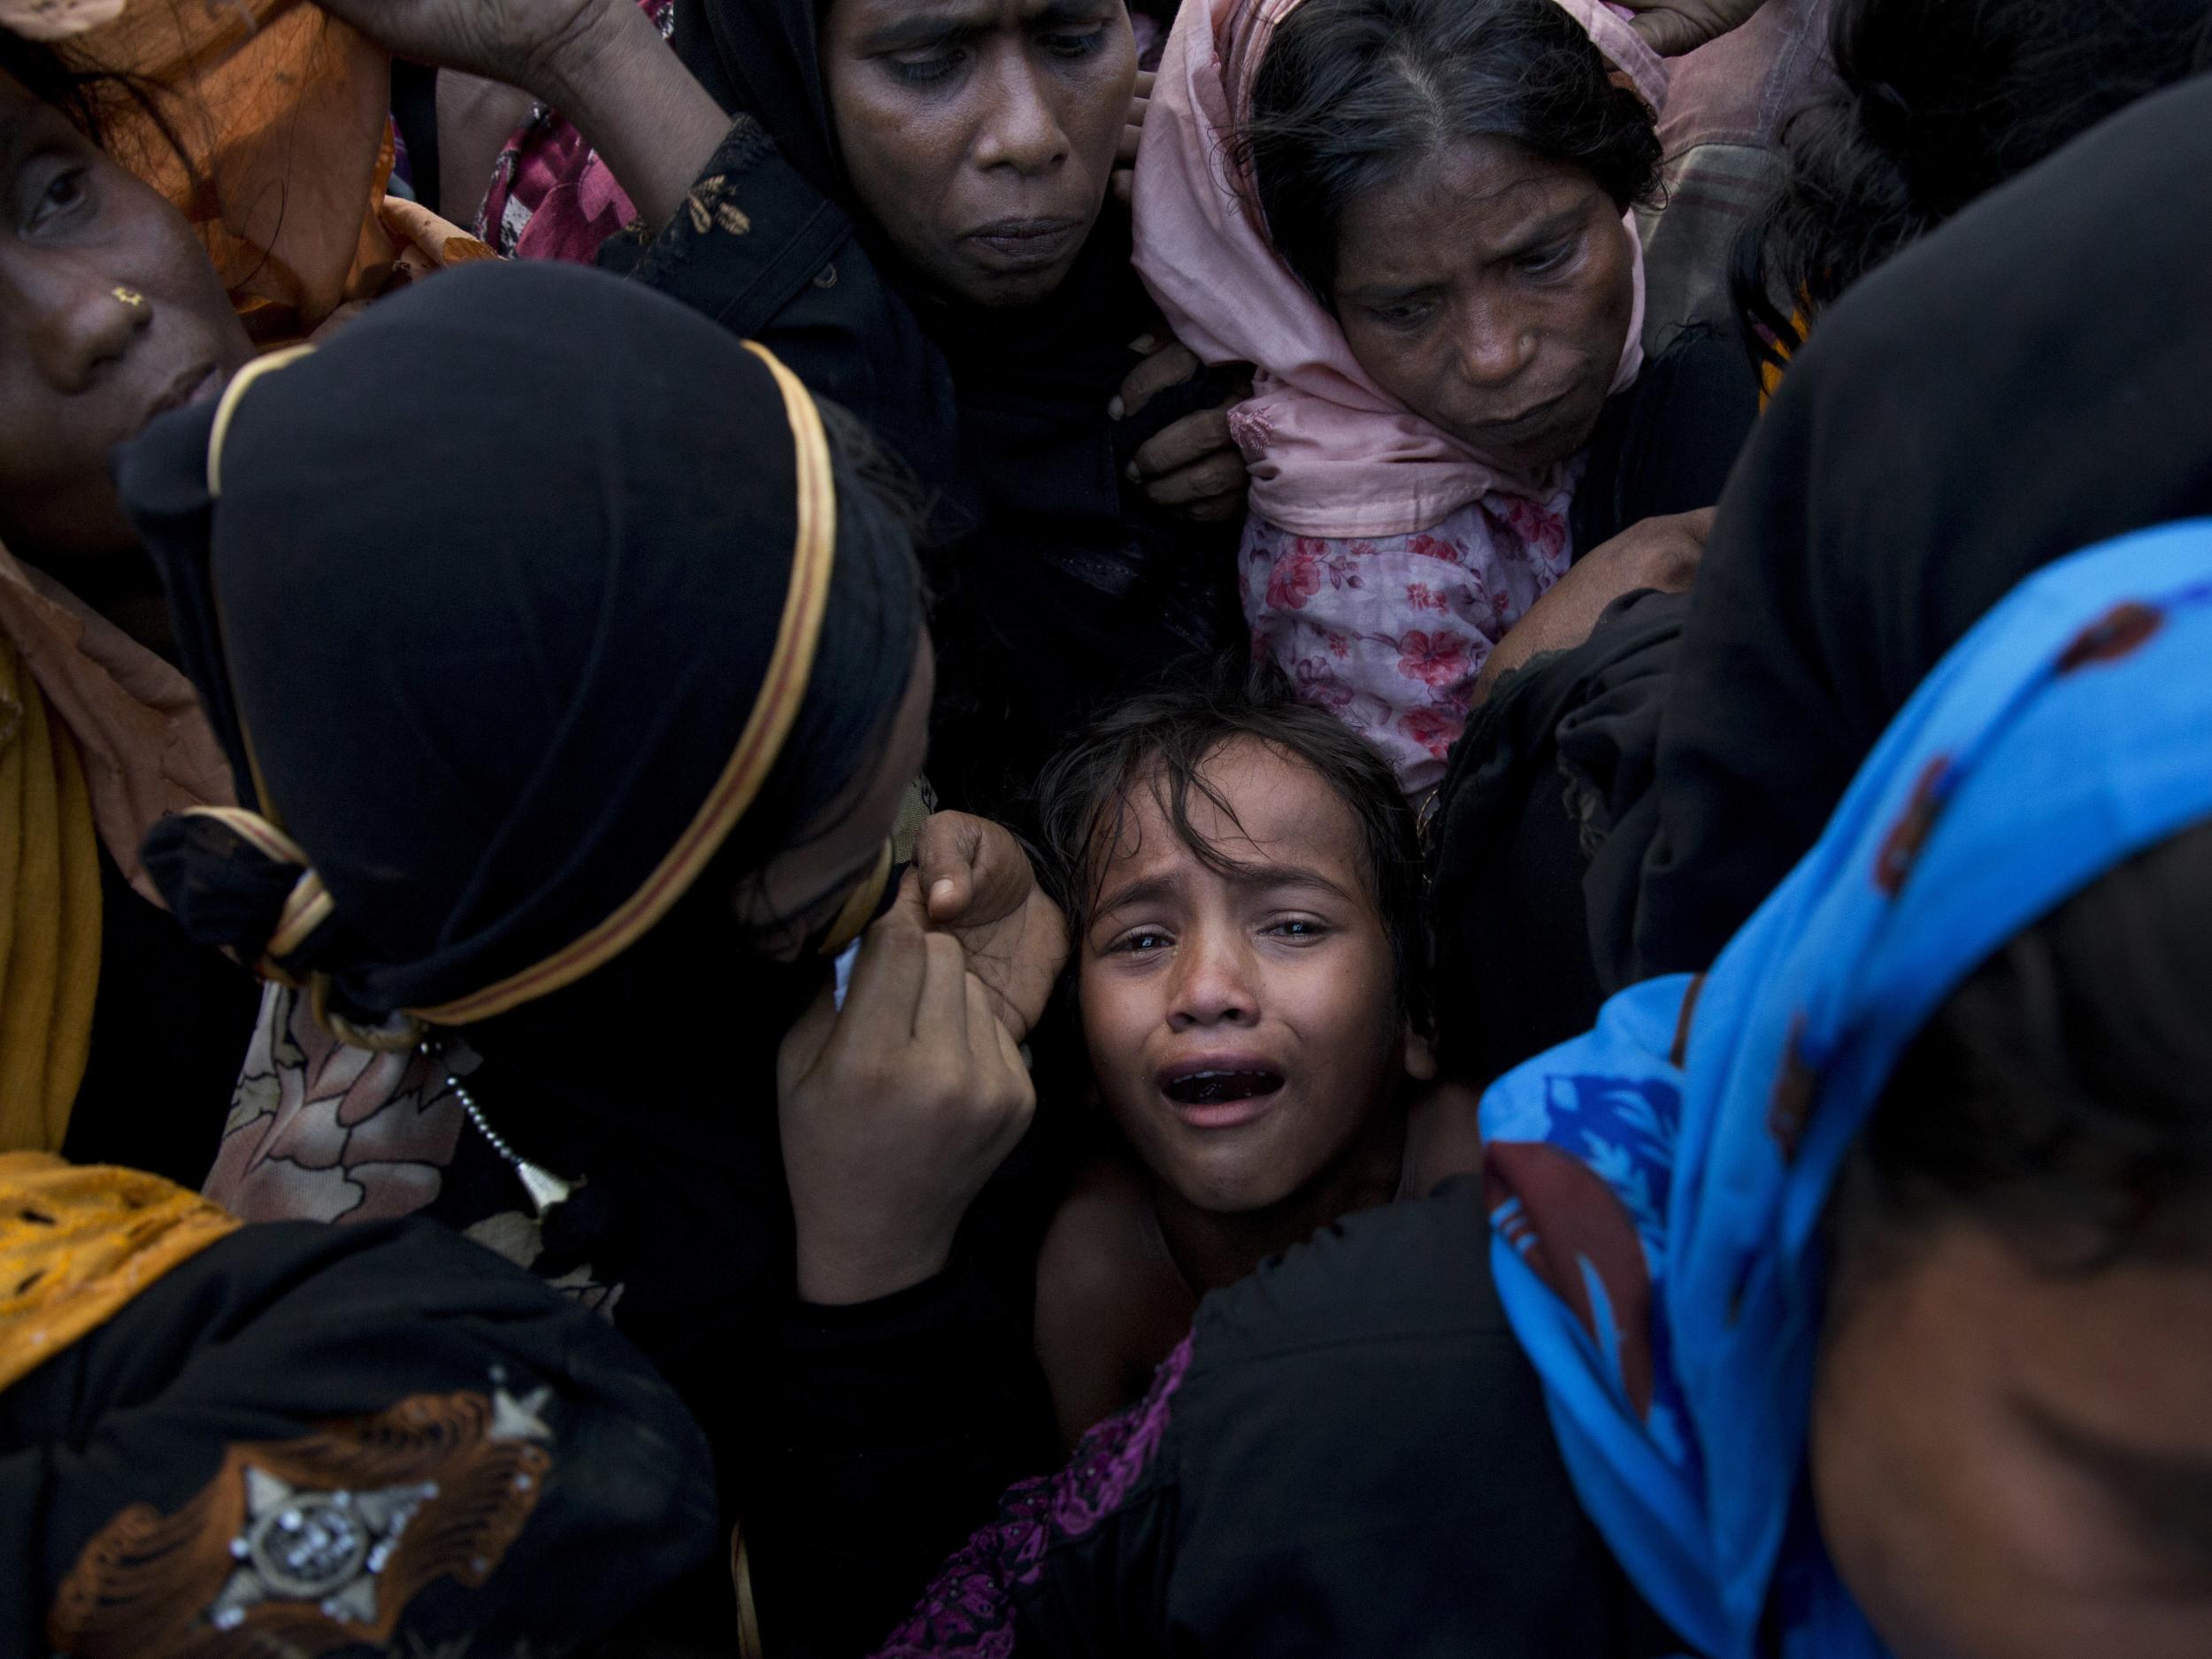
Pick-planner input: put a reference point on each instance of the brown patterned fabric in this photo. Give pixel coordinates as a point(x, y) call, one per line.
point(300, 1547)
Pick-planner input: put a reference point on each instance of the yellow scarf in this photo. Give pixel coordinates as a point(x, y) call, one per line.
point(76, 1245)
point(50, 917)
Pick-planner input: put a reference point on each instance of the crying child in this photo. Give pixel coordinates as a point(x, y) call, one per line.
point(1244, 891)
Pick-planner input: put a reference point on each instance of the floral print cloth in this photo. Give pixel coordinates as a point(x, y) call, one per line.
point(970, 1609)
point(1389, 632)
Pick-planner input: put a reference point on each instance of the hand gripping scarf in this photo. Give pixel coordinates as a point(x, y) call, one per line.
point(1658, 1186)
point(487, 740)
point(1332, 454)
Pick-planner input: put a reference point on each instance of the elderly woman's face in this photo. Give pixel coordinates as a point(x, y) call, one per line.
point(2013, 1463)
point(981, 133)
point(110, 314)
point(1490, 291)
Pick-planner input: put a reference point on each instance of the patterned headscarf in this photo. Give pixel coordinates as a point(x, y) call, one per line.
point(1658, 1186)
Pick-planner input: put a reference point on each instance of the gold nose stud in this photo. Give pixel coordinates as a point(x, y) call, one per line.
point(130, 297)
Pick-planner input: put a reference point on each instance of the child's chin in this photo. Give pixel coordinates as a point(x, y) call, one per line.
point(1232, 1192)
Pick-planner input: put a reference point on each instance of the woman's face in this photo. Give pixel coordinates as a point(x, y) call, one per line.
point(110, 314)
point(2013, 1463)
point(981, 133)
point(1490, 291)
point(800, 890)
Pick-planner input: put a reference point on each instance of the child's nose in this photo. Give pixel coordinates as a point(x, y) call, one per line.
point(1214, 986)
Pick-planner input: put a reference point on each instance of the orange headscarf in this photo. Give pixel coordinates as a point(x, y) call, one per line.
point(280, 111)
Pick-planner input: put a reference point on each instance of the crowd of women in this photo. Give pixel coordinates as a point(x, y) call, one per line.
point(1050, 827)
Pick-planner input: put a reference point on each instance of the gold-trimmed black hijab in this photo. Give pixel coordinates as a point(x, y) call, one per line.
point(512, 605)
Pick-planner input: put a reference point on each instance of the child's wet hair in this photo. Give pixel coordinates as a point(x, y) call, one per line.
point(1164, 739)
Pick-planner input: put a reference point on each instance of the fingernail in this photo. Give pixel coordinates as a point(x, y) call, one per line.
point(1143, 343)
point(941, 890)
point(1131, 474)
point(1114, 410)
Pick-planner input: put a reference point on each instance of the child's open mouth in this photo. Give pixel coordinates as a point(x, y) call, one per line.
point(1219, 1088)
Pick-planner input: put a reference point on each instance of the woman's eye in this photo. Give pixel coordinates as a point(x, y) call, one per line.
point(1301, 927)
point(920, 69)
point(1414, 314)
point(1143, 942)
point(1544, 259)
point(64, 192)
point(1074, 43)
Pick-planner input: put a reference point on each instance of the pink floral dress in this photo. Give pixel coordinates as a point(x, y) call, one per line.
point(1391, 631)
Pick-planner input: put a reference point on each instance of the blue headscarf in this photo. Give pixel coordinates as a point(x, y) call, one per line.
point(1657, 1186)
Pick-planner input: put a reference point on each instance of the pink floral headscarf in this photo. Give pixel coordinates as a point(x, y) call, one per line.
point(1332, 454)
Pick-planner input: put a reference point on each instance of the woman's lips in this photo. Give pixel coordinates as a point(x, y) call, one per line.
point(1028, 244)
point(194, 384)
point(1221, 1094)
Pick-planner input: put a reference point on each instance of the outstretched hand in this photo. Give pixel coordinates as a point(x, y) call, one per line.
point(980, 889)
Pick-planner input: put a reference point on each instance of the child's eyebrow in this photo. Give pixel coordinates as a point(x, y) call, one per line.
point(1152, 889)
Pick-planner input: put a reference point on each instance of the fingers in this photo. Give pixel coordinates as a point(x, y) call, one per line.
point(1214, 509)
point(803, 1044)
point(1698, 524)
point(945, 858)
point(1191, 460)
point(941, 1014)
point(975, 872)
point(1675, 26)
point(882, 1001)
point(994, 1049)
point(1666, 33)
point(1170, 366)
point(1132, 128)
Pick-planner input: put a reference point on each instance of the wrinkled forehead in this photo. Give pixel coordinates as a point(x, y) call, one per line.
point(1488, 190)
point(1246, 803)
point(866, 19)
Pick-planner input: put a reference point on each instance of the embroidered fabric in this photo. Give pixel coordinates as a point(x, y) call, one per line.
point(307, 1545)
point(1389, 632)
point(969, 1607)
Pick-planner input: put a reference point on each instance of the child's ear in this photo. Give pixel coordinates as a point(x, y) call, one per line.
point(1420, 1055)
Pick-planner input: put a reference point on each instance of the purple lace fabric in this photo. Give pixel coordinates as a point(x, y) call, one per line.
point(970, 1609)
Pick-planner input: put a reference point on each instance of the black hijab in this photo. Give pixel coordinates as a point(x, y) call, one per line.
point(505, 730)
point(2033, 378)
point(1060, 588)
point(1031, 381)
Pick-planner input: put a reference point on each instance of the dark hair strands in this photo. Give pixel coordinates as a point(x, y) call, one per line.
point(1933, 105)
point(1352, 95)
point(88, 94)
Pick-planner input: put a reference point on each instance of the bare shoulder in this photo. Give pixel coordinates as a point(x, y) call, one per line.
point(1111, 1304)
